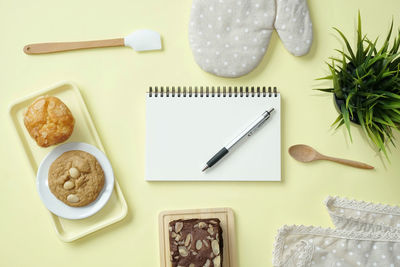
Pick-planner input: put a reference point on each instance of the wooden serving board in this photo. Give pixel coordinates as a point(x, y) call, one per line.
point(227, 224)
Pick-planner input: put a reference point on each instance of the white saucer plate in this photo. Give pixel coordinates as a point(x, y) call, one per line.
point(55, 205)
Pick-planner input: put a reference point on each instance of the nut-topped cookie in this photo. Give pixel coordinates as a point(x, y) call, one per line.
point(76, 178)
point(196, 243)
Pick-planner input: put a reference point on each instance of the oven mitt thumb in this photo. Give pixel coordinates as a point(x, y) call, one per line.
point(229, 37)
point(293, 24)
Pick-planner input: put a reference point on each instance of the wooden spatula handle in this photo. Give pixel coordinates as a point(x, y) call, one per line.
point(352, 163)
point(43, 48)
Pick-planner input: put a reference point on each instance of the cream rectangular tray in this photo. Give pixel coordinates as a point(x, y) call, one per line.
point(225, 215)
point(84, 131)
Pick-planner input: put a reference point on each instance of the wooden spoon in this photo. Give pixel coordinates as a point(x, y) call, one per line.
point(306, 153)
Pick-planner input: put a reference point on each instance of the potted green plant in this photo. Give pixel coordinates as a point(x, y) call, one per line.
point(366, 87)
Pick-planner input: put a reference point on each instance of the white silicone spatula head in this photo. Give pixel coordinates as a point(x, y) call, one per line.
point(143, 40)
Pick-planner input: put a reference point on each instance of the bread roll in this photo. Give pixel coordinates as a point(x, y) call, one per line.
point(49, 121)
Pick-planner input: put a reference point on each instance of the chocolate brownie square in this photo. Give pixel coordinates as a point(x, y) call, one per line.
point(196, 243)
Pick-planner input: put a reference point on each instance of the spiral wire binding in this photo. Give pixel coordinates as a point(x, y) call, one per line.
point(225, 91)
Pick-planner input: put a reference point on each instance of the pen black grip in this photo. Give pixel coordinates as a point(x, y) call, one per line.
point(217, 157)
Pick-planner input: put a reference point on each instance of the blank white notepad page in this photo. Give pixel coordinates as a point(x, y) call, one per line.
point(183, 133)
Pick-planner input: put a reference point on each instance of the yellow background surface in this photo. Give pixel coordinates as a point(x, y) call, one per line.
point(113, 82)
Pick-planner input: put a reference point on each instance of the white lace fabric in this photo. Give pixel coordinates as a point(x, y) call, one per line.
point(366, 234)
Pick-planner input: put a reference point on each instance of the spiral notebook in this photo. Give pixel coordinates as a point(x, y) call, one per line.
point(186, 126)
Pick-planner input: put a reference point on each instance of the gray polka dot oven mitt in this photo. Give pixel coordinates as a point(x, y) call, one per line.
point(366, 234)
point(229, 38)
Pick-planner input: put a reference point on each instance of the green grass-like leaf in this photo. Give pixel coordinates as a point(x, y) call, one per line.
point(367, 79)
